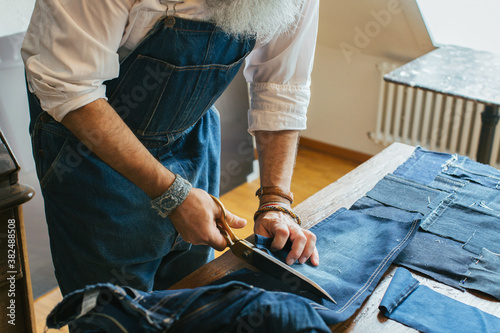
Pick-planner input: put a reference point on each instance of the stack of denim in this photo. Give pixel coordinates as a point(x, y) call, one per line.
point(459, 201)
point(356, 249)
point(230, 307)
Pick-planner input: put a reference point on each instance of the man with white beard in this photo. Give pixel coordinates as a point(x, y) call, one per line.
point(126, 139)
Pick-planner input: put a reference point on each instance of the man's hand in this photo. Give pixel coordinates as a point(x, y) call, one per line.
point(283, 228)
point(117, 146)
point(276, 152)
point(195, 220)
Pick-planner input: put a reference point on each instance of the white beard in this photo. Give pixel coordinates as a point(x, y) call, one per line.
point(262, 19)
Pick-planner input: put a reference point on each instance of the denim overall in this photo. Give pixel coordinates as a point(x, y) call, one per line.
point(102, 227)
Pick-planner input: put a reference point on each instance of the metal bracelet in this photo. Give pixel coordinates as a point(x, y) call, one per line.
point(166, 203)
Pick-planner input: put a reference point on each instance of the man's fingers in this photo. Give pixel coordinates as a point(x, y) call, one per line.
point(217, 241)
point(299, 241)
point(281, 234)
point(283, 228)
point(309, 247)
point(315, 257)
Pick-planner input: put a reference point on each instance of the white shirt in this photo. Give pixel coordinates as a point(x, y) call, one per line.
point(73, 46)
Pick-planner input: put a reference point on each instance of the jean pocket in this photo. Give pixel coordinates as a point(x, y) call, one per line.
point(48, 150)
point(155, 97)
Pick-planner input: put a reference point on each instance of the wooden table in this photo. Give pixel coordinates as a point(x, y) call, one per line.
point(343, 193)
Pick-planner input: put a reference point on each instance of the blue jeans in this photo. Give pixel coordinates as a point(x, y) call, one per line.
point(102, 227)
point(419, 307)
point(460, 203)
point(355, 250)
point(230, 307)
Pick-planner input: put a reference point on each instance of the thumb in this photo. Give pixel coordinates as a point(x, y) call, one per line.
point(235, 221)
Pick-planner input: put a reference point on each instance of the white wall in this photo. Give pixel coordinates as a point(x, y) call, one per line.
point(468, 23)
point(344, 100)
point(354, 36)
point(15, 16)
point(14, 116)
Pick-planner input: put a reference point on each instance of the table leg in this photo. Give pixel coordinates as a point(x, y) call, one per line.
point(489, 120)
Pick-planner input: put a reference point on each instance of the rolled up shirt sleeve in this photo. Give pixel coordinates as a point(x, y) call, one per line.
point(279, 76)
point(70, 49)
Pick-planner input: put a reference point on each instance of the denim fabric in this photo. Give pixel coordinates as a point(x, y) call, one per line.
point(101, 226)
point(422, 166)
point(230, 307)
point(484, 274)
point(469, 194)
point(406, 195)
point(419, 307)
point(440, 258)
point(464, 168)
point(474, 227)
point(461, 215)
point(355, 250)
point(373, 207)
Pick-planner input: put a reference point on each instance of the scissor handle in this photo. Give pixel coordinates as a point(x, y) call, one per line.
point(222, 225)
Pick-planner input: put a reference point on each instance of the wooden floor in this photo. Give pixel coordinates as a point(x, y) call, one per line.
point(313, 171)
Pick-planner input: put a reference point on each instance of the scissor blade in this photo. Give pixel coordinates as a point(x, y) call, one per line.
point(269, 264)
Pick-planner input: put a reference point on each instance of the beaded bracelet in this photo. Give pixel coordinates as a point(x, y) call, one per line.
point(279, 207)
point(166, 203)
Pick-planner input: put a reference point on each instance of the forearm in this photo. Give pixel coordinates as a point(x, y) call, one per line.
point(100, 128)
point(276, 152)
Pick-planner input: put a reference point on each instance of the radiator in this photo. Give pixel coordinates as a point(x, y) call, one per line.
point(431, 120)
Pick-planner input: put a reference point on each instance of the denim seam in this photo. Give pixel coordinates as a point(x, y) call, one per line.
point(449, 162)
point(380, 267)
point(474, 173)
point(142, 132)
point(457, 183)
point(410, 288)
point(50, 171)
point(176, 242)
point(191, 67)
point(438, 211)
point(403, 180)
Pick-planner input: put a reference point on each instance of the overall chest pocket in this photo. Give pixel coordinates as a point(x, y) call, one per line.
point(155, 97)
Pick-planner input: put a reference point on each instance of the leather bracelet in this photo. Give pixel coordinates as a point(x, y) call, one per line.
point(279, 207)
point(166, 203)
point(275, 190)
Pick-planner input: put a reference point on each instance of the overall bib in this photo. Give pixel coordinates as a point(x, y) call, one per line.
point(101, 226)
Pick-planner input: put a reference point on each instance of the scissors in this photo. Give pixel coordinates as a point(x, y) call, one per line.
point(261, 260)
